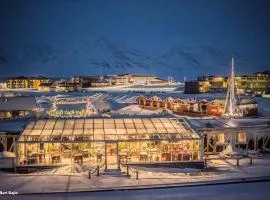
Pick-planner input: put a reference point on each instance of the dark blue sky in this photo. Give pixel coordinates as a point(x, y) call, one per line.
point(41, 36)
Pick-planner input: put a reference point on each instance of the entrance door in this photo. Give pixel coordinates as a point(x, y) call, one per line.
point(112, 155)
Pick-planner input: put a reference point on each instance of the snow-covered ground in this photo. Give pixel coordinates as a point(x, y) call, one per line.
point(219, 171)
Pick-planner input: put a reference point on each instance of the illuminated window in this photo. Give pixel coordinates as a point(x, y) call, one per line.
point(220, 138)
point(242, 137)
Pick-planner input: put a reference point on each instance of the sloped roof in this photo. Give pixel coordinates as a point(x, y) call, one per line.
point(17, 103)
point(99, 129)
point(169, 99)
point(155, 98)
point(179, 100)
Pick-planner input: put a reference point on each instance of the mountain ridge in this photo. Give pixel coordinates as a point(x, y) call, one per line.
point(100, 55)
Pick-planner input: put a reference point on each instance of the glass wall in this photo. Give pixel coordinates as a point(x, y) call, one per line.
point(159, 151)
point(61, 153)
point(94, 153)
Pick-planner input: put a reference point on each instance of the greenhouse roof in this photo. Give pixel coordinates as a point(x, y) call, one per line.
point(100, 130)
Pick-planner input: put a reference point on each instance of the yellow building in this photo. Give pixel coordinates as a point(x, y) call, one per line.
point(256, 83)
point(204, 86)
point(26, 82)
point(218, 82)
point(212, 83)
point(46, 87)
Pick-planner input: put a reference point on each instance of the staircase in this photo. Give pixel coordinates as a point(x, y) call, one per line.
point(113, 172)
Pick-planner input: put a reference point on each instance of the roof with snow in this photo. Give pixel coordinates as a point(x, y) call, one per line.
point(228, 123)
point(17, 103)
point(100, 130)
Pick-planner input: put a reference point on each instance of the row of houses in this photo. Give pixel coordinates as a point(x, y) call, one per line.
point(214, 107)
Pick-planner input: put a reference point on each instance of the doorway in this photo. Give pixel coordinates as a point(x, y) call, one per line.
point(112, 155)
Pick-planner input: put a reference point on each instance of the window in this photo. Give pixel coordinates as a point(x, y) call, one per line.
point(241, 137)
point(220, 138)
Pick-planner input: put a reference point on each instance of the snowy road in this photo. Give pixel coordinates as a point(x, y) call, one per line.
point(257, 190)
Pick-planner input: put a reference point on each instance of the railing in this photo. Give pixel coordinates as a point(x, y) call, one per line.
point(102, 165)
point(95, 170)
point(129, 169)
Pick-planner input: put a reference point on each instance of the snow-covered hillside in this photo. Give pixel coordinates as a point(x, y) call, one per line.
point(99, 55)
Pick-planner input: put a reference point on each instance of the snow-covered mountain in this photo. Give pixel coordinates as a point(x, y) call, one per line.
point(204, 59)
point(100, 55)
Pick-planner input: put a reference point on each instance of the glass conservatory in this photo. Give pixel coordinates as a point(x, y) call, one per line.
point(108, 141)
